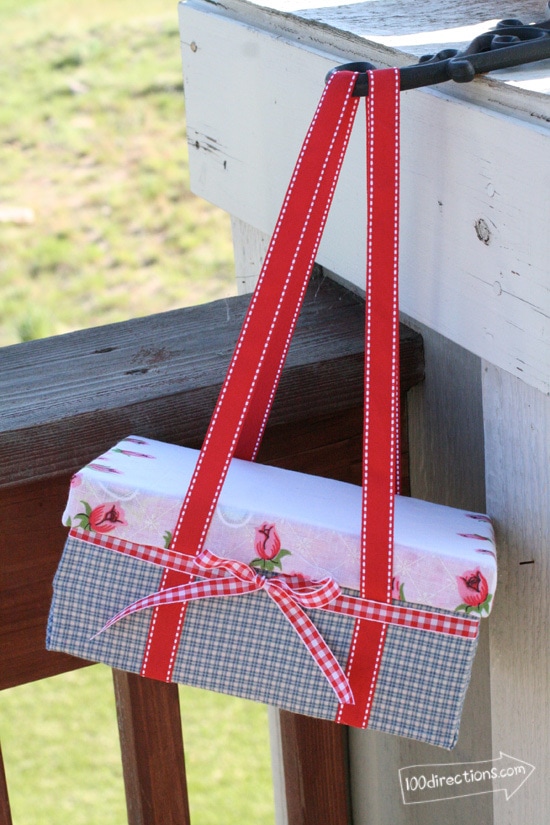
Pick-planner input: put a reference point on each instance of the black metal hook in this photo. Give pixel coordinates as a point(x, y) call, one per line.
point(510, 43)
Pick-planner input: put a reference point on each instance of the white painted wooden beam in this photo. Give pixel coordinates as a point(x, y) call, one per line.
point(517, 447)
point(474, 240)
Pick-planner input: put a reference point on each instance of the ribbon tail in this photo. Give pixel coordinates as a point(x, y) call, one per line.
point(183, 593)
point(315, 644)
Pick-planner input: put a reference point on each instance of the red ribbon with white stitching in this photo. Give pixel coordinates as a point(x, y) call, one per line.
point(380, 447)
point(247, 394)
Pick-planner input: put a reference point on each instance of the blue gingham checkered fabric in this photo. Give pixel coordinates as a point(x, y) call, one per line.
point(244, 646)
point(422, 685)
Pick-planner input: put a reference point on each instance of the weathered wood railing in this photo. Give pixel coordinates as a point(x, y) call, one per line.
point(65, 400)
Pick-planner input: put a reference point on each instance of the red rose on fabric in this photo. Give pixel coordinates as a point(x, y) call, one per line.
point(267, 542)
point(473, 587)
point(267, 545)
point(105, 517)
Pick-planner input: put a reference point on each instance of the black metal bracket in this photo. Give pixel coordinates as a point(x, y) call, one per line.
point(510, 43)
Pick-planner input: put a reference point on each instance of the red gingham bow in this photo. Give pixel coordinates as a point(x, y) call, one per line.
point(228, 577)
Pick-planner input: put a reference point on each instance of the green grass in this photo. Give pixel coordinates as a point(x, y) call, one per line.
point(92, 140)
point(60, 743)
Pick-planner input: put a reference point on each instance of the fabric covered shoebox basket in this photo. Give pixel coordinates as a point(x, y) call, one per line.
point(122, 510)
point(340, 602)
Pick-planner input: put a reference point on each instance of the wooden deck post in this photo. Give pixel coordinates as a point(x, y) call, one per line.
point(316, 770)
point(153, 764)
point(5, 812)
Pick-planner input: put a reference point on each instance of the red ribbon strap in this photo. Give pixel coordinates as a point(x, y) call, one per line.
point(381, 391)
point(247, 393)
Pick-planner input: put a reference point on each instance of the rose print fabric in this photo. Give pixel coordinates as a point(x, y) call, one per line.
point(282, 521)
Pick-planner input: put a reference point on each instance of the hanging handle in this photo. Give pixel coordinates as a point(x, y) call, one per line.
point(253, 373)
point(510, 43)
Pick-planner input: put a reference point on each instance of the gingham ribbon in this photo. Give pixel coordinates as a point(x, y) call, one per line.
point(290, 594)
point(344, 603)
point(414, 617)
